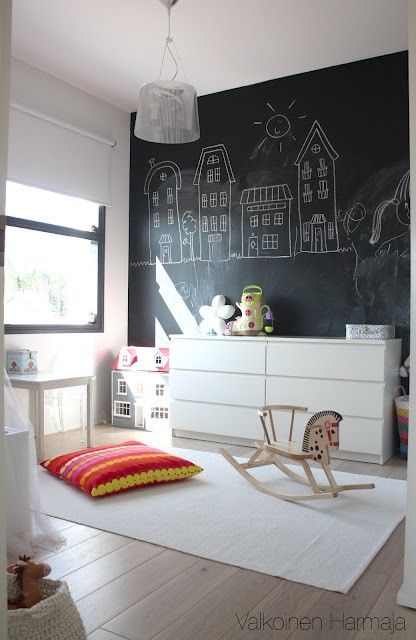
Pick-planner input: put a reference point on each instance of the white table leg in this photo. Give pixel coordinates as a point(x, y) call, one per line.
point(40, 442)
point(89, 411)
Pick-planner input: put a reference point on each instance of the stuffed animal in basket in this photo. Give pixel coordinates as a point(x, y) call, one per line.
point(27, 574)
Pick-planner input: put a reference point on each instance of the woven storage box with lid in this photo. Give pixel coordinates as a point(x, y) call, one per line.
point(402, 413)
point(53, 618)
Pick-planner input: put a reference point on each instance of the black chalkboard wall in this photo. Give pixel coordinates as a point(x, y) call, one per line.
point(300, 185)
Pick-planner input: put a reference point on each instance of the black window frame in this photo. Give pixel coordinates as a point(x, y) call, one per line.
point(97, 234)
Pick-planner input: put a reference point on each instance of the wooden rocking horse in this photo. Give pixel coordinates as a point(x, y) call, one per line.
point(320, 437)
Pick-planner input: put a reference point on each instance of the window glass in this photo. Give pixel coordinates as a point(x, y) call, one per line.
point(44, 283)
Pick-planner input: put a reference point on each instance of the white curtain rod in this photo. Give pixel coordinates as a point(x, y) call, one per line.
point(61, 123)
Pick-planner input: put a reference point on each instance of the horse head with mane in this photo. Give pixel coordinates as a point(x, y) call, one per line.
point(322, 435)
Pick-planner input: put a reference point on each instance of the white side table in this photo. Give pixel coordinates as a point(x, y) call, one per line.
point(37, 384)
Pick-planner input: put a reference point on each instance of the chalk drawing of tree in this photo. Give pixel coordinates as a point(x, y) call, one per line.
point(189, 224)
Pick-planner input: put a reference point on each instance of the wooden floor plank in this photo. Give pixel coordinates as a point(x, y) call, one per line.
point(387, 618)
point(69, 560)
point(326, 618)
point(390, 554)
point(215, 615)
point(399, 473)
point(268, 620)
point(100, 572)
point(102, 634)
point(159, 609)
point(74, 535)
point(103, 605)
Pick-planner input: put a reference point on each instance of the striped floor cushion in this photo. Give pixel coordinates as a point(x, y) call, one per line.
point(101, 471)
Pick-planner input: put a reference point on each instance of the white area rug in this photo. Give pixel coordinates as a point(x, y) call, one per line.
point(219, 516)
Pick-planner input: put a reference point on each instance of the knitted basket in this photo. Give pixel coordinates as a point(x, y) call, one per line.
point(53, 618)
point(402, 413)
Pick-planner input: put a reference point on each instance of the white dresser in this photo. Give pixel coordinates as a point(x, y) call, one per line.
point(217, 382)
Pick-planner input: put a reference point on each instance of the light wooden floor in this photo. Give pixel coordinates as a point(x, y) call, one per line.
point(126, 589)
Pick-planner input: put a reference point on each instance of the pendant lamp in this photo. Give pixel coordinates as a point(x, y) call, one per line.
point(167, 112)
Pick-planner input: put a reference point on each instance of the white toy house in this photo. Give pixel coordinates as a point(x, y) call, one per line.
point(140, 388)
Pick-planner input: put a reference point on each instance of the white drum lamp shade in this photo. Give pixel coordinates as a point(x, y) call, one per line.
point(167, 112)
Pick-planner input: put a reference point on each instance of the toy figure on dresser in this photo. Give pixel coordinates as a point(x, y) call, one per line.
point(251, 321)
point(215, 315)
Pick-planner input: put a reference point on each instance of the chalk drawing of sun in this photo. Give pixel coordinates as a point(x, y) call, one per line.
point(278, 127)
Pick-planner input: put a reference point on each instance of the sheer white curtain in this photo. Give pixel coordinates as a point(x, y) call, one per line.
point(26, 525)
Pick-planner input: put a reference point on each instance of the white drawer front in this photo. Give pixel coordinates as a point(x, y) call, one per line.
point(218, 355)
point(238, 422)
point(364, 399)
point(223, 388)
point(360, 435)
point(320, 360)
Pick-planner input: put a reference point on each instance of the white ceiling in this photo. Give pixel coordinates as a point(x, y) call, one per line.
point(110, 47)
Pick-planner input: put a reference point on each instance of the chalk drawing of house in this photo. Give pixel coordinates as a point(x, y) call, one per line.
point(161, 187)
point(214, 177)
point(265, 222)
point(317, 197)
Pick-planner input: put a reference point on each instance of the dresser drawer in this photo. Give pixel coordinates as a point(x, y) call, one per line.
point(219, 355)
point(237, 422)
point(326, 360)
point(358, 435)
point(363, 399)
point(222, 388)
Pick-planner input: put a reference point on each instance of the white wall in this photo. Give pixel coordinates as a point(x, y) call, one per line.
point(5, 34)
point(407, 594)
point(39, 91)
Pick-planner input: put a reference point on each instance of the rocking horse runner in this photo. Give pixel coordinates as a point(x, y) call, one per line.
point(320, 437)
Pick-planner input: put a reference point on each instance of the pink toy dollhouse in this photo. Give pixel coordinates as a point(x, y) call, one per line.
point(140, 387)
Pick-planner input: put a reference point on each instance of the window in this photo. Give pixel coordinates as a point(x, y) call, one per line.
point(160, 389)
point(210, 175)
point(126, 358)
point(122, 387)
point(223, 198)
point(254, 221)
point(214, 223)
point(54, 262)
point(265, 219)
point(156, 220)
point(163, 176)
point(155, 198)
point(204, 223)
point(170, 216)
point(158, 360)
point(322, 169)
point(213, 199)
point(122, 409)
point(323, 189)
point(204, 200)
point(169, 195)
point(306, 171)
point(306, 229)
point(217, 174)
point(223, 223)
point(278, 217)
point(315, 148)
point(139, 389)
point(159, 413)
point(270, 241)
point(331, 230)
point(213, 159)
point(307, 193)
